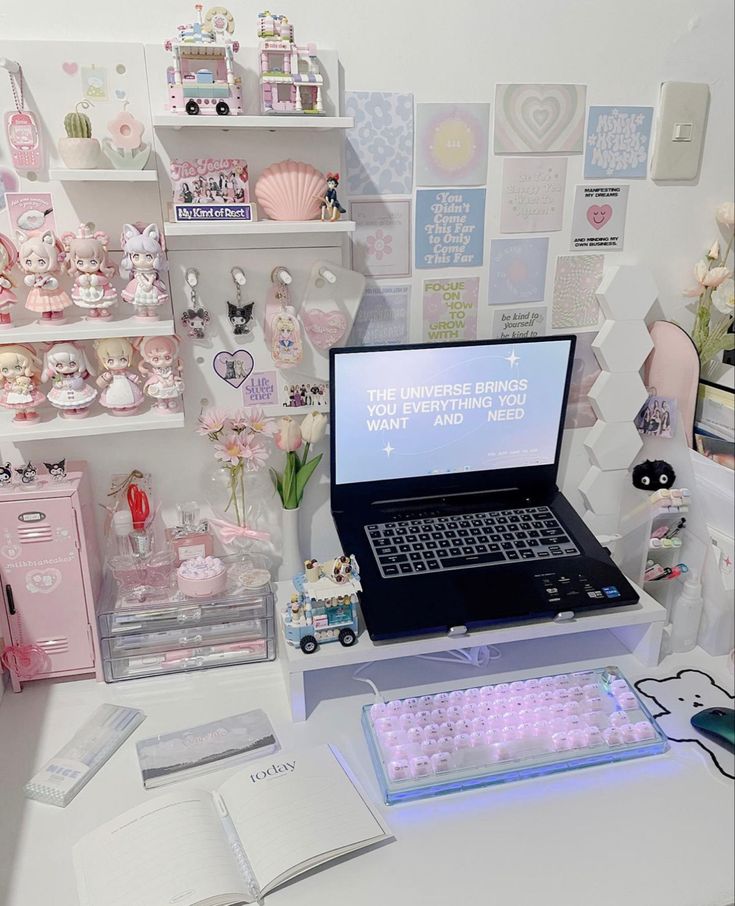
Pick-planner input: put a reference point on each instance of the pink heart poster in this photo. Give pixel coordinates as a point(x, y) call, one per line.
point(539, 119)
point(598, 221)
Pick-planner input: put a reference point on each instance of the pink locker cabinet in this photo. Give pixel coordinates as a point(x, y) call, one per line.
point(50, 573)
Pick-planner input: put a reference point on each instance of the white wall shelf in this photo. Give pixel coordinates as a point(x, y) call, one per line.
point(62, 174)
point(258, 228)
point(267, 123)
point(87, 330)
point(51, 426)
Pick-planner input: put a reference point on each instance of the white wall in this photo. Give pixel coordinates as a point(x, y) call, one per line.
point(457, 52)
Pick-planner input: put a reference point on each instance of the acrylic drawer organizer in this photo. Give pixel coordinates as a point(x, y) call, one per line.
point(170, 632)
point(469, 738)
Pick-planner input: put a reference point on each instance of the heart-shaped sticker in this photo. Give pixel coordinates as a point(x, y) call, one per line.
point(43, 581)
point(324, 328)
point(598, 215)
point(233, 367)
point(70, 68)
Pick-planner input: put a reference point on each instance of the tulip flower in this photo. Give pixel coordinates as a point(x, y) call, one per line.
point(725, 214)
point(291, 483)
point(707, 277)
point(714, 253)
point(723, 298)
point(313, 427)
point(288, 437)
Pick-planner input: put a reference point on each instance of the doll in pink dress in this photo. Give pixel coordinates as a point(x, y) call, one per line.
point(144, 259)
point(65, 364)
point(41, 256)
point(19, 372)
point(120, 386)
point(8, 259)
point(162, 368)
point(87, 262)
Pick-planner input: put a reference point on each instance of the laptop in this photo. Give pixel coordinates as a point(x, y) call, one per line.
point(443, 485)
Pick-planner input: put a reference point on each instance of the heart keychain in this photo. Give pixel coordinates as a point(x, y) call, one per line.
point(332, 298)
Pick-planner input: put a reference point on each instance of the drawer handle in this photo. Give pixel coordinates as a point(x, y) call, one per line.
point(11, 600)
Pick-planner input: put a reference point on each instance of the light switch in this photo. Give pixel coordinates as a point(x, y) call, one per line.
point(683, 132)
point(681, 121)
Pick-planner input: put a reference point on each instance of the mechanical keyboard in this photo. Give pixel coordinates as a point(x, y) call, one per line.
point(410, 546)
point(449, 741)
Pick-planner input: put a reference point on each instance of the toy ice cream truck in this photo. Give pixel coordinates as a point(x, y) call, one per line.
point(324, 606)
point(202, 78)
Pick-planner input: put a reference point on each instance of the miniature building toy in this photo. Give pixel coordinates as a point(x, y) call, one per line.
point(324, 606)
point(202, 78)
point(290, 78)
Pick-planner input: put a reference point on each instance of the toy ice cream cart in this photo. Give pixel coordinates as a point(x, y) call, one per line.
point(324, 606)
point(202, 78)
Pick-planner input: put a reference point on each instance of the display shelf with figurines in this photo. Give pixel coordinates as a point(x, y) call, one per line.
point(66, 174)
point(258, 123)
point(98, 422)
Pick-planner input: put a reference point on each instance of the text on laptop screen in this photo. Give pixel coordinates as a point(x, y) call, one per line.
point(408, 413)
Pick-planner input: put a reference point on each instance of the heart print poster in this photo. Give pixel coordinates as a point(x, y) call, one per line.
point(539, 119)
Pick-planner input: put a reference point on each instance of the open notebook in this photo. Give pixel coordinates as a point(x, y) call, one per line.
point(275, 819)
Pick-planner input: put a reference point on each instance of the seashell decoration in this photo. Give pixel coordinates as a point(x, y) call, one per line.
point(290, 190)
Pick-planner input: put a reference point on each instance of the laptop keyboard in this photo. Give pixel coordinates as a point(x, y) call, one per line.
point(412, 546)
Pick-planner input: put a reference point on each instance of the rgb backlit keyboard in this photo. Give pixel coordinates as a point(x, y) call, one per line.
point(411, 546)
point(431, 744)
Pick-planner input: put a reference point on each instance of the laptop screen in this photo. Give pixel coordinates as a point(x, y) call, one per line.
point(411, 412)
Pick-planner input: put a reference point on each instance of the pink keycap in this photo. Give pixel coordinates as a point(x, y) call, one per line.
point(454, 712)
point(386, 724)
point(471, 710)
point(509, 734)
point(532, 684)
point(392, 738)
point(546, 695)
point(487, 691)
point(499, 751)
point(441, 762)
point(613, 737)
point(438, 715)
point(560, 742)
point(518, 686)
point(627, 732)
point(619, 685)
point(618, 718)
point(420, 766)
point(441, 700)
point(577, 739)
point(485, 707)
point(572, 708)
point(593, 703)
point(562, 695)
point(415, 735)
point(406, 721)
point(525, 731)
point(477, 739)
point(558, 725)
point(446, 743)
point(426, 703)
point(556, 709)
point(472, 695)
point(378, 710)
point(573, 721)
point(547, 682)
point(399, 770)
point(395, 707)
point(590, 690)
point(447, 728)
point(462, 726)
point(643, 730)
point(456, 698)
point(576, 692)
point(432, 731)
point(627, 701)
point(531, 700)
point(399, 753)
point(562, 681)
point(480, 725)
point(595, 719)
point(429, 747)
point(462, 741)
point(594, 737)
point(411, 705)
point(491, 737)
point(502, 689)
point(423, 718)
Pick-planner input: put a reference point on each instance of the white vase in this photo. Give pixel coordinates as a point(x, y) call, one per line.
point(292, 563)
point(79, 153)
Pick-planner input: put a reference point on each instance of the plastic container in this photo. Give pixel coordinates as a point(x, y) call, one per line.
point(686, 614)
point(202, 577)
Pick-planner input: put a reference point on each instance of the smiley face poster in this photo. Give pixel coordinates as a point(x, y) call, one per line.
point(599, 218)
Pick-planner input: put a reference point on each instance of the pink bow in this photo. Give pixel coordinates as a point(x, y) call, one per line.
point(228, 531)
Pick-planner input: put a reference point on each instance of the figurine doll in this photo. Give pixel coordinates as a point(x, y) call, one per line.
point(41, 257)
point(331, 208)
point(65, 365)
point(8, 259)
point(28, 474)
point(19, 371)
point(87, 262)
point(120, 391)
point(6, 475)
point(144, 259)
point(56, 470)
point(161, 367)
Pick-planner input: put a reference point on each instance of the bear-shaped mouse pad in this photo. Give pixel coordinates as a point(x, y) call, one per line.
point(676, 699)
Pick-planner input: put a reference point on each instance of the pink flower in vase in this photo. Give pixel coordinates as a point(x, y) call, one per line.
point(258, 423)
point(212, 421)
point(230, 449)
point(254, 454)
point(379, 245)
point(707, 278)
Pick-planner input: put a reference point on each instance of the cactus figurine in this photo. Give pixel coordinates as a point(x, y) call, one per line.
point(78, 149)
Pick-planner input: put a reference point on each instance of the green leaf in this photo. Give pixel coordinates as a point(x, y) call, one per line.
point(304, 475)
point(276, 479)
point(289, 481)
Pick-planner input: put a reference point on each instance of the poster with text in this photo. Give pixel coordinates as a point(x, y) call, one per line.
point(379, 148)
point(585, 371)
point(382, 318)
point(450, 309)
point(540, 119)
point(618, 139)
point(381, 243)
point(575, 283)
point(532, 200)
point(598, 221)
point(518, 323)
point(450, 228)
point(451, 144)
point(30, 212)
point(517, 270)
point(260, 389)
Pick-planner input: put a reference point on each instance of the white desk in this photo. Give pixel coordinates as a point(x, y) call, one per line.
point(654, 832)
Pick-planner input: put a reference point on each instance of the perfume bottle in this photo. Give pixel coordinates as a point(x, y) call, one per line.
point(191, 537)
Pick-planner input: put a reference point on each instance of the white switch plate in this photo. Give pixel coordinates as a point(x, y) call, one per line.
point(681, 121)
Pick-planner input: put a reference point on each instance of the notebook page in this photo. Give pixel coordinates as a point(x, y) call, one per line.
point(294, 809)
point(172, 849)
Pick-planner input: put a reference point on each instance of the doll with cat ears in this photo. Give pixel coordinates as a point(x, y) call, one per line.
point(41, 257)
point(143, 261)
point(8, 260)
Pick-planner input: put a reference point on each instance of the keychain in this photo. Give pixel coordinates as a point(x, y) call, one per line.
point(21, 128)
point(284, 332)
point(239, 315)
point(196, 317)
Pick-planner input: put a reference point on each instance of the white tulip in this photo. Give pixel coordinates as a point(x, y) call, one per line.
point(313, 427)
point(723, 298)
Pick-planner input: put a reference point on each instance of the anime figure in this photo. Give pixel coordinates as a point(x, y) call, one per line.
point(331, 208)
point(6, 475)
point(286, 348)
point(65, 365)
point(161, 367)
point(56, 470)
point(27, 473)
point(144, 259)
point(120, 391)
point(195, 320)
point(8, 259)
point(87, 262)
point(41, 257)
point(240, 317)
point(20, 370)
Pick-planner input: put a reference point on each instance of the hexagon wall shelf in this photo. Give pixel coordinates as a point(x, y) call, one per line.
point(603, 491)
point(627, 292)
point(618, 397)
point(613, 445)
point(622, 345)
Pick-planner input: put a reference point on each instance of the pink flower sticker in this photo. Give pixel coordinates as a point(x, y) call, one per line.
point(379, 245)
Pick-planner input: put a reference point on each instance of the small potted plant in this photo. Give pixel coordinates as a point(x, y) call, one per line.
point(79, 150)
